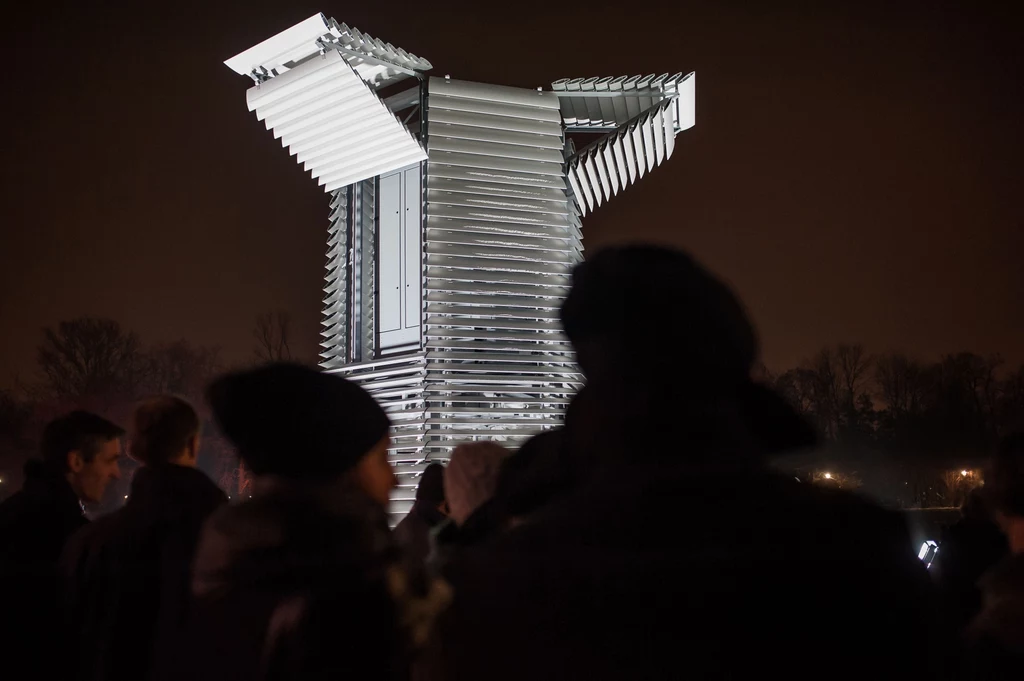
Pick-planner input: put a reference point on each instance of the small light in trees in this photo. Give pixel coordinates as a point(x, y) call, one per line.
point(964, 473)
point(828, 476)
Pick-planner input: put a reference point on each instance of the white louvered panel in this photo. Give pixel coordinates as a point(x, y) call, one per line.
point(577, 190)
point(657, 126)
point(648, 137)
point(602, 173)
point(646, 100)
point(637, 139)
point(687, 103)
point(579, 174)
point(619, 154)
point(590, 170)
point(632, 102)
point(482, 106)
point(608, 156)
point(398, 385)
point(605, 103)
point(669, 130)
point(621, 110)
point(335, 332)
point(500, 238)
point(325, 96)
point(629, 154)
point(616, 101)
point(592, 103)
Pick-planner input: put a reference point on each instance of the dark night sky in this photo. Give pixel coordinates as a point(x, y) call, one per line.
point(852, 172)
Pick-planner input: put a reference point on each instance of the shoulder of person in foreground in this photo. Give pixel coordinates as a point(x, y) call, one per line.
point(1001, 619)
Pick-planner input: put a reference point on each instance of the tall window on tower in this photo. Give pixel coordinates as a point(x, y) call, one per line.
point(399, 257)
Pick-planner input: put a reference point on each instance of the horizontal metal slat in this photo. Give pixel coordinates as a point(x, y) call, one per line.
point(488, 314)
point(518, 241)
point(445, 169)
point(466, 421)
point(503, 253)
point(557, 348)
point(491, 300)
point(567, 233)
point(492, 122)
point(508, 358)
point(495, 277)
point(497, 265)
point(541, 195)
point(442, 210)
point(506, 152)
point(485, 202)
point(482, 134)
point(493, 324)
point(514, 167)
point(526, 371)
point(497, 411)
point(446, 87)
point(436, 102)
point(475, 401)
point(555, 291)
point(438, 332)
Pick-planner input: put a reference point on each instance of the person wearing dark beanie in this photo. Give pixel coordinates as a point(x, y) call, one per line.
point(307, 561)
point(296, 423)
point(660, 302)
point(661, 542)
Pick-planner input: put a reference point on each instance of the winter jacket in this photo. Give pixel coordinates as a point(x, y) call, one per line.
point(34, 525)
point(677, 568)
point(969, 548)
point(128, 574)
point(302, 582)
point(996, 636)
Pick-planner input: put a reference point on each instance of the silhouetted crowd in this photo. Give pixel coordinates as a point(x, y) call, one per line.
point(648, 538)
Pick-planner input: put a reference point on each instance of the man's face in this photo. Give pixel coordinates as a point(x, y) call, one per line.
point(89, 479)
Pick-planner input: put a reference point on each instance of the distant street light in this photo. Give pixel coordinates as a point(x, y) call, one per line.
point(828, 476)
point(964, 473)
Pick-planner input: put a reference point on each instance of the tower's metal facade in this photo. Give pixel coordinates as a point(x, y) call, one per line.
point(454, 223)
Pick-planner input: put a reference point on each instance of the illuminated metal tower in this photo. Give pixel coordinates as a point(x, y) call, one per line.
point(454, 224)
